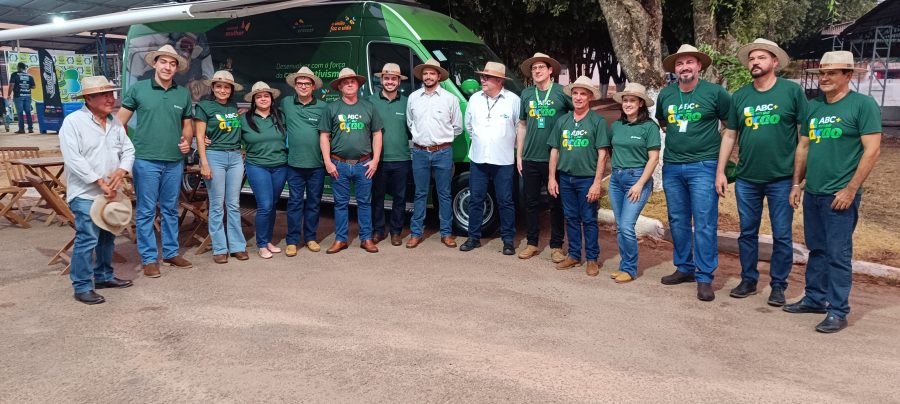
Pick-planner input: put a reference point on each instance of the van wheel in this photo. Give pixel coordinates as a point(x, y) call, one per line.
point(459, 191)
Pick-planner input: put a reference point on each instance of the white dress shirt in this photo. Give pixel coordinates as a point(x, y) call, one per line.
point(491, 123)
point(91, 152)
point(433, 118)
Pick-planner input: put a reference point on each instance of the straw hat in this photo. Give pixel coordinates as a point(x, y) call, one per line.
point(389, 69)
point(259, 87)
point(112, 216)
point(743, 53)
point(304, 72)
point(583, 82)
point(494, 69)
point(224, 76)
point(431, 64)
point(540, 57)
point(634, 90)
point(347, 73)
point(167, 50)
point(686, 50)
point(95, 85)
point(837, 60)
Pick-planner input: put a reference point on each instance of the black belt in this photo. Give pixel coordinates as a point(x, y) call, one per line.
point(351, 162)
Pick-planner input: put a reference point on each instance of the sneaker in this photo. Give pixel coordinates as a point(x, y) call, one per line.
point(290, 250)
point(557, 255)
point(313, 246)
point(567, 263)
point(677, 277)
point(744, 289)
point(264, 253)
point(776, 298)
point(528, 252)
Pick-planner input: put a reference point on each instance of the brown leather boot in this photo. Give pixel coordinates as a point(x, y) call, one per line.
point(220, 258)
point(336, 247)
point(592, 268)
point(241, 256)
point(567, 263)
point(396, 239)
point(151, 270)
point(369, 246)
point(449, 241)
point(178, 262)
point(413, 242)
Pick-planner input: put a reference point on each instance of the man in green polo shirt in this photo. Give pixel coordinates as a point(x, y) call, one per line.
point(393, 172)
point(161, 136)
point(763, 119)
point(542, 104)
point(840, 144)
point(350, 139)
point(306, 173)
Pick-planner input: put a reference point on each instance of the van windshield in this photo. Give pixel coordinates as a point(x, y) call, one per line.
point(463, 59)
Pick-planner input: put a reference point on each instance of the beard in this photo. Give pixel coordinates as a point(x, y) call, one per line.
point(686, 79)
point(759, 72)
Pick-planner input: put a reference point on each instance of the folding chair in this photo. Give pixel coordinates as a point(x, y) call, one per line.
point(16, 175)
point(6, 207)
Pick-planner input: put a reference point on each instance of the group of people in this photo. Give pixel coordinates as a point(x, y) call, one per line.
point(790, 150)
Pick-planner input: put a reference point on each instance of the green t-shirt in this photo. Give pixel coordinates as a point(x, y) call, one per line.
point(159, 116)
point(766, 123)
point(302, 125)
point(223, 125)
point(835, 144)
point(632, 141)
point(395, 136)
point(351, 127)
point(578, 142)
point(265, 147)
point(540, 112)
point(692, 121)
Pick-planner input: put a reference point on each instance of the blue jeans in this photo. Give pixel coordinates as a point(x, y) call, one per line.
point(424, 163)
point(224, 188)
point(157, 182)
point(391, 179)
point(23, 112)
point(267, 184)
point(306, 186)
point(829, 237)
point(89, 240)
point(340, 188)
point(749, 198)
point(627, 213)
point(502, 177)
point(581, 216)
point(691, 199)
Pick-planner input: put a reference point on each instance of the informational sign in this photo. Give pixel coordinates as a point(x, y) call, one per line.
point(53, 109)
point(70, 68)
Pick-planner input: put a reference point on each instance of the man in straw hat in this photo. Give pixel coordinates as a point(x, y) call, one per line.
point(392, 174)
point(491, 119)
point(306, 173)
point(97, 155)
point(542, 104)
point(764, 120)
point(836, 153)
point(161, 136)
point(350, 138)
point(690, 112)
point(434, 120)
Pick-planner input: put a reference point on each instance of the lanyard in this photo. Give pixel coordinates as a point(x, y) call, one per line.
point(680, 94)
point(491, 106)
point(537, 97)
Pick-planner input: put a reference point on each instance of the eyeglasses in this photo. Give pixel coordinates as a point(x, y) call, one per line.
point(535, 68)
point(303, 84)
point(484, 78)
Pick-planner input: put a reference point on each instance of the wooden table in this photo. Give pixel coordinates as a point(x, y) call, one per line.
point(41, 167)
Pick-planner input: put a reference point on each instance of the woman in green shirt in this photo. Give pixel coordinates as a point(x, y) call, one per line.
point(635, 152)
point(218, 131)
point(262, 132)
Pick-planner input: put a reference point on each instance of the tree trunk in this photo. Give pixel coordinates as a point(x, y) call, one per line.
point(704, 24)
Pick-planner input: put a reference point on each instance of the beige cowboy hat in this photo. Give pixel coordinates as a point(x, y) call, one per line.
point(540, 57)
point(431, 64)
point(837, 60)
point(585, 83)
point(259, 87)
point(111, 215)
point(634, 90)
point(494, 69)
point(743, 53)
point(224, 76)
point(95, 85)
point(304, 72)
point(391, 69)
point(167, 50)
point(686, 50)
point(347, 73)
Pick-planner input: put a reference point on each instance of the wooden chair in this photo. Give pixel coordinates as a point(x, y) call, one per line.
point(14, 194)
point(59, 206)
point(16, 174)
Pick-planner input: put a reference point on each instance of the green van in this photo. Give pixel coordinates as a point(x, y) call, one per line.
point(326, 37)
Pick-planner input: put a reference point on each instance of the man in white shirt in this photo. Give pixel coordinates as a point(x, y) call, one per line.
point(97, 155)
point(434, 121)
point(491, 119)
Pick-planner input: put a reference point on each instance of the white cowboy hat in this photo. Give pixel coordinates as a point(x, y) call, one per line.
point(686, 50)
point(494, 69)
point(112, 216)
point(391, 69)
point(259, 87)
point(585, 83)
point(743, 53)
point(304, 72)
point(224, 76)
point(431, 64)
point(634, 90)
point(837, 60)
point(167, 50)
point(95, 85)
point(540, 57)
point(347, 73)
